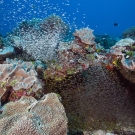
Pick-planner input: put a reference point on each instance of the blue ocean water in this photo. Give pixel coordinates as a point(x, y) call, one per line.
point(99, 15)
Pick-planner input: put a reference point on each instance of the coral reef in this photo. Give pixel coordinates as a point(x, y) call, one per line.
point(1, 42)
point(98, 132)
point(105, 40)
point(85, 38)
point(129, 33)
point(122, 45)
point(93, 96)
point(39, 40)
point(102, 132)
point(19, 75)
point(54, 25)
point(85, 76)
point(73, 56)
point(95, 99)
point(31, 117)
point(124, 50)
point(5, 50)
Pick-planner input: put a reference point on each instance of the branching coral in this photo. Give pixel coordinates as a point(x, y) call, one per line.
point(31, 117)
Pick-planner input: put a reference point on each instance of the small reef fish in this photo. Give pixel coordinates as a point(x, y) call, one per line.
point(116, 24)
point(109, 67)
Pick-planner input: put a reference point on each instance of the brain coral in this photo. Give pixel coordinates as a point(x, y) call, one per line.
point(28, 116)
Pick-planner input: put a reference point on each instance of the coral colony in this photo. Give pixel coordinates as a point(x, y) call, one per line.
point(49, 86)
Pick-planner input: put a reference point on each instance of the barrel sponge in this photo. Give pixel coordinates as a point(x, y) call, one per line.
point(32, 117)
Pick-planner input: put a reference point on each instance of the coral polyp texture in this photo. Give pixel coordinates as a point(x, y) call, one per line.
point(39, 39)
point(28, 116)
point(19, 75)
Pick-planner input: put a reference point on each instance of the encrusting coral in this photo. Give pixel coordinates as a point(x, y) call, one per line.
point(28, 116)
